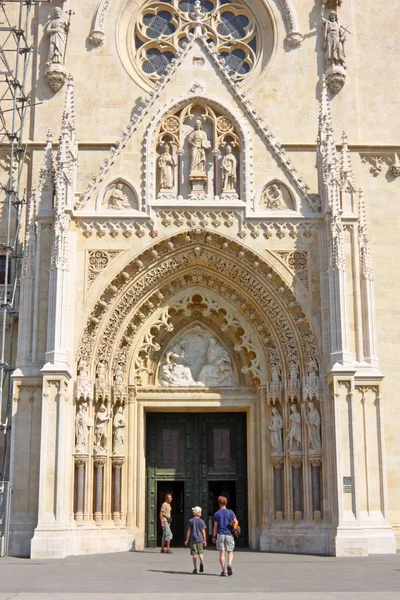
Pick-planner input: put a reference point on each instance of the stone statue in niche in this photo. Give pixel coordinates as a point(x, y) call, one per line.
point(84, 387)
point(119, 432)
point(117, 199)
point(119, 378)
point(100, 430)
point(166, 166)
point(199, 144)
point(294, 431)
point(82, 424)
point(102, 376)
point(276, 429)
point(314, 427)
point(334, 36)
point(197, 359)
point(57, 30)
point(229, 171)
point(273, 198)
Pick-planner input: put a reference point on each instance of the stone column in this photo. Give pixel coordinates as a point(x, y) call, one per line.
point(80, 467)
point(316, 486)
point(117, 463)
point(217, 177)
point(278, 467)
point(296, 465)
point(180, 173)
point(99, 463)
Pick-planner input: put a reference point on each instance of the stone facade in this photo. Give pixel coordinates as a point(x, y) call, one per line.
point(189, 246)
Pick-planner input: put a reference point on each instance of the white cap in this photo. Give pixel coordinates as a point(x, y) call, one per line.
point(197, 510)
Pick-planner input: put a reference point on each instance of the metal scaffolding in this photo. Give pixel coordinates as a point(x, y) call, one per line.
point(15, 101)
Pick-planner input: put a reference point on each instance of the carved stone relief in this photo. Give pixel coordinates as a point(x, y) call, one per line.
point(82, 424)
point(297, 261)
point(276, 196)
point(197, 359)
point(378, 162)
point(119, 425)
point(100, 430)
point(119, 197)
point(241, 268)
point(97, 261)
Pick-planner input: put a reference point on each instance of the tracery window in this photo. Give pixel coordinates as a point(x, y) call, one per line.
point(164, 26)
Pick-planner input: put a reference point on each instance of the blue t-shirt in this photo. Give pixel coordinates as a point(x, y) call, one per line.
point(196, 526)
point(222, 517)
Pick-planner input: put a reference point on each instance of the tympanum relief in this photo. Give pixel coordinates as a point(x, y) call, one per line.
point(276, 196)
point(198, 156)
point(119, 196)
point(197, 359)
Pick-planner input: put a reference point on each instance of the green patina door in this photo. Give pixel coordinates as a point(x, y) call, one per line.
point(196, 457)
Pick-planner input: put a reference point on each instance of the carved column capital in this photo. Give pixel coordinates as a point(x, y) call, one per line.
point(81, 460)
point(315, 461)
point(277, 462)
point(100, 461)
point(118, 462)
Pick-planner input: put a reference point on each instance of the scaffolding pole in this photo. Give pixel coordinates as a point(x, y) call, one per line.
point(15, 101)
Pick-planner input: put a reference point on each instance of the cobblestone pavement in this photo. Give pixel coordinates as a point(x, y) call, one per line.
point(150, 575)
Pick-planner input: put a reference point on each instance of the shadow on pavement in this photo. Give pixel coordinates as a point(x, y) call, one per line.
point(182, 573)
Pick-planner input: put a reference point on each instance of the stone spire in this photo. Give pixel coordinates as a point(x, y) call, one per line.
point(365, 255)
point(346, 168)
point(30, 238)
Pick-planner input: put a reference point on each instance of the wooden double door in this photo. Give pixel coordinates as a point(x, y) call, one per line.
point(196, 457)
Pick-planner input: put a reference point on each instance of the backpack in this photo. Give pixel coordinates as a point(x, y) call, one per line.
point(235, 528)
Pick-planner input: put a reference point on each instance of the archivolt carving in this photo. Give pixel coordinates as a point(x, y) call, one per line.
point(198, 302)
point(240, 274)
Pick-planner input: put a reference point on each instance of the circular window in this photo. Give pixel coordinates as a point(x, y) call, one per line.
point(163, 27)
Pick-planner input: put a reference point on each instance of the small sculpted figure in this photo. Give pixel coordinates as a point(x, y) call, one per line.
point(335, 38)
point(100, 429)
point(314, 427)
point(119, 432)
point(57, 30)
point(273, 198)
point(276, 429)
point(117, 199)
point(166, 165)
point(199, 143)
point(229, 168)
point(294, 431)
point(82, 424)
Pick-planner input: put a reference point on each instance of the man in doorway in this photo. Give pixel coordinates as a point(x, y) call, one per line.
point(165, 519)
point(222, 534)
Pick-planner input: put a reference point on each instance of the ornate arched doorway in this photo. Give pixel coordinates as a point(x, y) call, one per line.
point(198, 324)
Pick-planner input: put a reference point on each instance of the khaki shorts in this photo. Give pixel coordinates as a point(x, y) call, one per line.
point(196, 548)
point(166, 532)
point(225, 542)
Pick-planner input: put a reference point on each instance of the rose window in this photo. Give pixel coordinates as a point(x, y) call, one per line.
point(163, 27)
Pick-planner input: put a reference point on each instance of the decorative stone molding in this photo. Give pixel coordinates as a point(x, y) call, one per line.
point(97, 33)
point(378, 162)
point(297, 261)
point(97, 261)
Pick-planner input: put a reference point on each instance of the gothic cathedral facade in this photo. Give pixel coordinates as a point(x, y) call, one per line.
point(206, 299)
